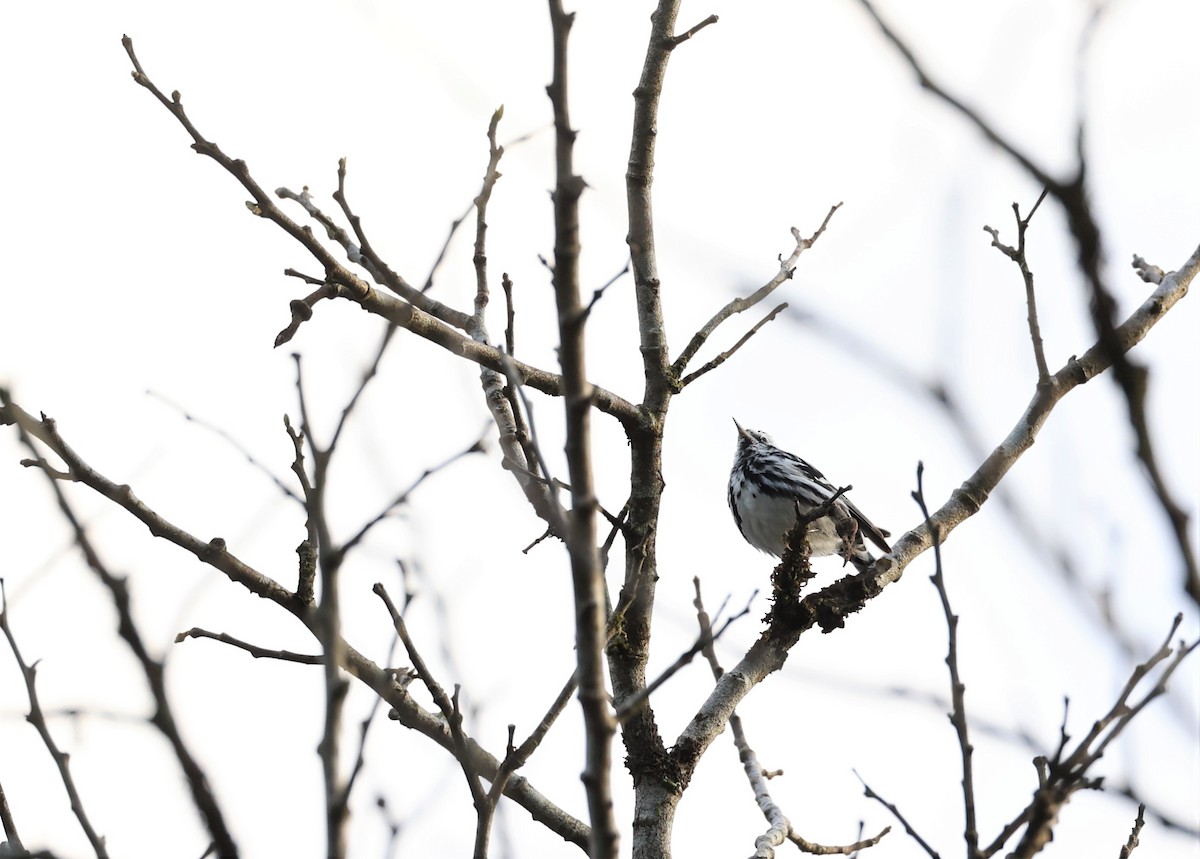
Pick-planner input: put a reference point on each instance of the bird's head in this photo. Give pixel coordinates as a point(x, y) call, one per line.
point(749, 436)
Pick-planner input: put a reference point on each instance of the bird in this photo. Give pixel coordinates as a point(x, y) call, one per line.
point(765, 485)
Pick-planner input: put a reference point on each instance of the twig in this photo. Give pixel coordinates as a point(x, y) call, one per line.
point(728, 353)
point(327, 615)
point(61, 759)
point(1163, 819)
point(1064, 774)
point(412, 310)
point(630, 706)
point(1017, 255)
point(368, 374)
point(1131, 378)
point(215, 554)
point(958, 714)
point(1042, 543)
point(307, 550)
point(162, 718)
point(676, 41)
point(234, 443)
point(509, 314)
point(254, 650)
point(458, 222)
point(477, 446)
point(871, 794)
point(781, 828)
point(11, 836)
point(1132, 843)
point(599, 293)
point(448, 707)
point(786, 269)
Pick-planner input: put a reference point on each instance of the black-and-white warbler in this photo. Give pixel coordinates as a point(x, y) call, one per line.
point(766, 484)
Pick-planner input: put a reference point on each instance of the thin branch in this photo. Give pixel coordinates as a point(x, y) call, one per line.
point(1064, 774)
point(162, 718)
point(253, 649)
point(437, 262)
point(1163, 819)
point(1132, 843)
point(1017, 255)
point(830, 607)
point(458, 222)
point(932, 86)
point(364, 727)
point(728, 353)
point(634, 703)
point(676, 41)
point(234, 443)
point(837, 849)
point(382, 681)
point(414, 311)
point(599, 293)
point(38, 720)
point(307, 550)
point(871, 794)
point(477, 446)
point(364, 253)
point(490, 177)
point(1041, 541)
point(302, 310)
point(12, 838)
point(264, 206)
point(448, 707)
point(958, 714)
point(368, 374)
point(326, 619)
point(1131, 378)
point(501, 403)
point(787, 268)
point(510, 315)
point(781, 828)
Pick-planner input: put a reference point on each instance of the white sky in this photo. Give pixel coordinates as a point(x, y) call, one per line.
point(134, 266)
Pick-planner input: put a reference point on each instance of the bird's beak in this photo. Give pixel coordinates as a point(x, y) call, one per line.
point(742, 432)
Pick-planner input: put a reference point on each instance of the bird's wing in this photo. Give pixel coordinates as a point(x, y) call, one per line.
point(867, 528)
point(800, 468)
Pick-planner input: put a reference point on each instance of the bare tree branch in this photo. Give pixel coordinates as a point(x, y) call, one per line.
point(1130, 845)
point(401, 498)
point(587, 575)
point(635, 702)
point(216, 554)
point(781, 828)
point(830, 607)
point(12, 839)
point(162, 718)
point(728, 353)
point(253, 649)
point(234, 443)
point(656, 794)
point(453, 716)
point(1017, 255)
point(413, 310)
point(871, 794)
point(1131, 378)
point(958, 713)
point(787, 268)
point(61, 759)
point(1064, 774)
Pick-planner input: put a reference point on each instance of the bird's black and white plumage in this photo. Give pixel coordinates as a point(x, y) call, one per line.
point(764, 486)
